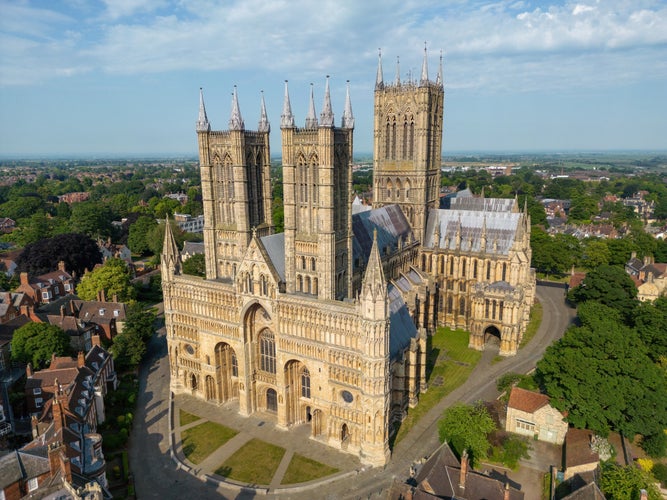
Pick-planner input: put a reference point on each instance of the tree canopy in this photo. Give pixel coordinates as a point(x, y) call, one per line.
point(467, 427)
point(626, 483)
point(195, 265)
point(609, 285)
point(36, 342)
point(113, 277)
point(77, 251)
point(130, 346)
point(139, 231)
point(601, 374)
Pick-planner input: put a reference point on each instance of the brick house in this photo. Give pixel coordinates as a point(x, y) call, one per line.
point(48, 287)
point(530, 414)
point(10, 305)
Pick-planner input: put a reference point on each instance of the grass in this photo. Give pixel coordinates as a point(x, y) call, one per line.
point(533, 324)
point(445, 375)
point(255, 462)
point(302, 469)
point(203, 439)
point(187, 418)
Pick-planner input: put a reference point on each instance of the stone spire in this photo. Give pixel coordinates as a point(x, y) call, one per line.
point(327, 116)
point(286, 118)
point(171, 259)
point(374, 286)
point(202, 123)
point(264, 125)
point(424, 76)
point(438, 79)
point(311, 118)
point(235, 119)
point(398, 71)
point(483, 237)
point(379, 78)
point(348, 118)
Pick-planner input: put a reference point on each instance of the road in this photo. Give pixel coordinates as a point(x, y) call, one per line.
point(156, 475)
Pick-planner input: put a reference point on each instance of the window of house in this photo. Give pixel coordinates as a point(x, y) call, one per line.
point(37, 390)
point(45, 295)
point(68, 287)
point(32, 484)
point(39, 402)
point(116, 312)
point(525, 425)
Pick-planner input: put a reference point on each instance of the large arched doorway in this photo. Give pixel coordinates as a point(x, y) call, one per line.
point(226, 372)
point(297, 389)
point(344, 436)
point(492, 337)
point(271, 400)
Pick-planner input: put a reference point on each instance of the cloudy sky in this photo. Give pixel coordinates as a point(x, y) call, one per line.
point(84, 77)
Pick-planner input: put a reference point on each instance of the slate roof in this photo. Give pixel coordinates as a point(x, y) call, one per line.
point(193, 248)
point(589, 492)
point(483, 204)
point(401, 326)
point(93, 311)
point(391, 226)
point(23, 464)
point(501, 229)
point(274, 245)
point(528, 401)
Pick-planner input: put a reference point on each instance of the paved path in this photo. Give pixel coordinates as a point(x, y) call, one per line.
point(156, 475)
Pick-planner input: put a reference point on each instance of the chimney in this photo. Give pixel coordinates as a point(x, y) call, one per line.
point(61, 266)
point(115, 297)
point(66, 467)
point(28, 370)
point(54, 457)
point(24, 279)
point(506, 493)
point(95, 339)
point(62, 311)
point(464, 470)
point(57, 411)
point(643, 494)
point(103, 297)
point(53, 363)
point(80, 360)
point(34, 425)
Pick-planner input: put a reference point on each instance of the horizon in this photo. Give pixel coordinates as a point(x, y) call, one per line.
point(123, 78)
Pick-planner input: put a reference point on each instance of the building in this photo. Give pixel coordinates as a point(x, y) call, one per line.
point(188, 223)
point(327, 323)
point(111, 250)
point(444, 476)
point(530, 414)
point(192, 248)
point(47, 287)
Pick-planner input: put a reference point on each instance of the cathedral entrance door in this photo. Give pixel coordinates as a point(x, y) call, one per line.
point(492, 336)
point(344, 436)
point(271, 400)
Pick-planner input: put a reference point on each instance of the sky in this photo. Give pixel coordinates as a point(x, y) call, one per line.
point(122, 77)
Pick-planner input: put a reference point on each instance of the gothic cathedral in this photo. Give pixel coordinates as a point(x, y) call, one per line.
point(326, 323)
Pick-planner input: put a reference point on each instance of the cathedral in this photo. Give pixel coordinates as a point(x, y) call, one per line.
point(326, 324)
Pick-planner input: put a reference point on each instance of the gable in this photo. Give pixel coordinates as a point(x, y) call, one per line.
point(256, 262)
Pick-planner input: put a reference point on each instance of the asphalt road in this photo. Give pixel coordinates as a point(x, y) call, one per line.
point(156, 475)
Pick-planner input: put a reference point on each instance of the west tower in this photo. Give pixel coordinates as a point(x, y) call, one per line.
point(317, 184)
point(236, 187)
point(408, 144)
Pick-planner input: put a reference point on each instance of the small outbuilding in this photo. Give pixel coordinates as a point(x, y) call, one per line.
point(530, 414)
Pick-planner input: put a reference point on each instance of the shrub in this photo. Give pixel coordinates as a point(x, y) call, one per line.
point(655, 445)
point(659, 472)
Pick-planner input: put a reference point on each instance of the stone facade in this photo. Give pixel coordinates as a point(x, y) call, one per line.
point(530, 414)
point(326, 324)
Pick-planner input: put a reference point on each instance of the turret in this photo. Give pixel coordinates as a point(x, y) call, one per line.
point(348, 119)
point(264, 125)
point(397, 81)
point(374, 286)
point(203, 124)
point(311, 117)
point(327, 116)
point(286, 118)
point(171, 259)
point(379, 77)
point(424, 75)
point(439, 80)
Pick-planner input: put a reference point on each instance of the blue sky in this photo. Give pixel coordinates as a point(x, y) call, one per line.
point(122, 77)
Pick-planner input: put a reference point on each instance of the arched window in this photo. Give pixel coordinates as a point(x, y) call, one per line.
point(393, 140)
point(494, 310)
point(411, 141)
point(462, 306)
point(299, 284)
point(387, 145)
point(488, 270)
point(303, 262)
point(312, 263)
point(404, 153)
point(305, 383)
point(235, 366)
point(463, 268)
point(500, 310)
point(504, 272)
point(474, 269)
point(390, 188)
point(267, 352)
point(314, 286)
point(486, 308)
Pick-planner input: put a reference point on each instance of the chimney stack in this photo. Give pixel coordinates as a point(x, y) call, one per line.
point(506, 493)
point(24, 279)
point(643, 494)
point(95, 339)
point(61, 266)
point(28, 370)
point(80, 360)
point(464, 470)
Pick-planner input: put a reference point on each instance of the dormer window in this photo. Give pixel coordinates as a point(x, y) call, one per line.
point(101, 312)
point(116, 312)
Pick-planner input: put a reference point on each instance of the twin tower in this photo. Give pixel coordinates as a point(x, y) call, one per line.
point(317, 180)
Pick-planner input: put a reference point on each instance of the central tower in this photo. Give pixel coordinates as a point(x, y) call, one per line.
point(408, 144)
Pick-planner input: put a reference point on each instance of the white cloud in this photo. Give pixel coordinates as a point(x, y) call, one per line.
point(485, 42)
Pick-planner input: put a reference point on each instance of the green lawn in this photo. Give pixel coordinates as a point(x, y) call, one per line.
point(255, 463)
point(187, 418)
point(203, 439)
point(302, 469)
point(450, 362)
point(533, 324)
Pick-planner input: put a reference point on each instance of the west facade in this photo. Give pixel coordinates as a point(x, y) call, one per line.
point(326, 324)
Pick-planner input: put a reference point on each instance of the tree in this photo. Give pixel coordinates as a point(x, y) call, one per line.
point(596, 253)
point(467, 427)
point(137, 239)
point(36, 342)
point(113, 277)
point(600, 374)
point(91, 218)
point(195, 265)
point(650, 322)
point(609, 285)
point(626, 483)
point(128, 348)
point(77, 251)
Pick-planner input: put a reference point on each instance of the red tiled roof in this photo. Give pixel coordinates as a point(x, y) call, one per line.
point(527, 401)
